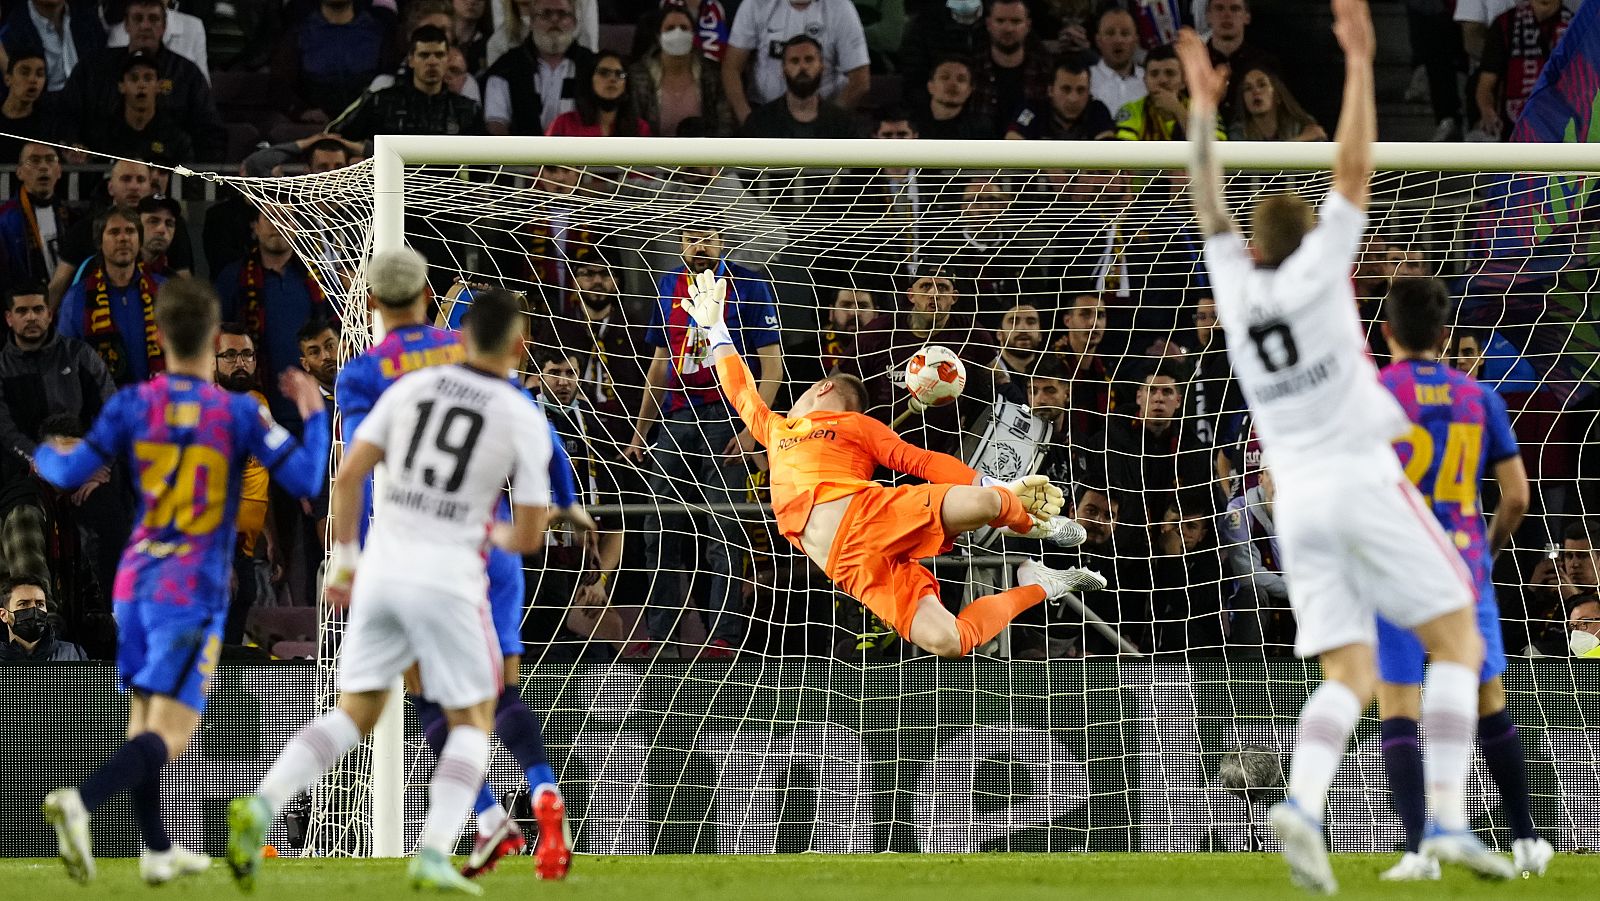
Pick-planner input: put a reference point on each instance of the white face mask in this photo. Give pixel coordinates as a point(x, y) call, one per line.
point(677, 41)
point(1581, 643)
point(965, 11)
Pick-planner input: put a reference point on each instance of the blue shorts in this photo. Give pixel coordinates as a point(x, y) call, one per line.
point(1400, 654)
point(165, 649)
point(507, 587)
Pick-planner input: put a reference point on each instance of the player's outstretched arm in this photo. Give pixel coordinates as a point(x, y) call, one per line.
point(1358, 116)
point(1206, 84)
point(298, 466)
point(707, 297)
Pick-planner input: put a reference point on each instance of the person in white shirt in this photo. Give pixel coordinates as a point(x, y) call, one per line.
point(185, 36)
point(760, 29)
point(1116, 80)
point(1357, 538)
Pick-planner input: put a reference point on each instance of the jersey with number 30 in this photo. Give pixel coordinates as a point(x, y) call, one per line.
point(188, 441)
point(1460, 429)
point(1296, 345)
point(451, 436)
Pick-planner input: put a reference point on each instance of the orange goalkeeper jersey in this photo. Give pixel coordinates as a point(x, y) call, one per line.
point(827, 455)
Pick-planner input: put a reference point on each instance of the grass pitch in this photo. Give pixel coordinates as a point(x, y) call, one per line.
point(880, 877)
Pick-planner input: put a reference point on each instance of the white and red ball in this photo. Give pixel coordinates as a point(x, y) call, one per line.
point(935, 376)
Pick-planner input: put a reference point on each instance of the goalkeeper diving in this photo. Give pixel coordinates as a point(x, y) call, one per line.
point(868, 537)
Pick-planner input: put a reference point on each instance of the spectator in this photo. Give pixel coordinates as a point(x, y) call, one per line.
point(63, 32)
point(1016, 71)
point(1147, 454)
point(31, 633)
point(1268, 112)
point(113, 306)
point(458, 79)
point(127, 184)
point(93, 94)
point(886, 345)
point(470, 28)
point(1121, 554)
point(1083, 327)
point(1212, 406)
point(697, 434)
point(849, 312)
point(604, 108)
point(949, 114)
point(180, 33)
point(318, 153)
point(762, 28)
point(1072, 113)
point(319, 356)
point(671, 82)
point(1163, 113)
point(536, 81)
point(608, 347)
point(1117, 79)
point(1580, 570)
point(26, 112)
point(1187, 600)
point(1585, 622)
point(514, 22)
point(953, 30)
point(1518, 45)
point(1535, 620)
point(139, 130)
point(419, 107)
point(1437, 52)
point(1021, 340)
point(800, 113)
point(897, 197)
point(327, 59)
point(1048, 390)
point(1260, 614)
point(158, 217)
point(1228, 20)
point(272, 294)
point(236, 372)
point(32, 224)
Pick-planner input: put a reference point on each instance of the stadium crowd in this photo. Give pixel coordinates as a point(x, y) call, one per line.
point(1114, 351)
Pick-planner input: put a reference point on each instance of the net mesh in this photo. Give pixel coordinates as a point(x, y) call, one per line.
point(1092, 279)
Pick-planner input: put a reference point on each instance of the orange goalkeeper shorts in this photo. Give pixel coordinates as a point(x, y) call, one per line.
point(885, 531)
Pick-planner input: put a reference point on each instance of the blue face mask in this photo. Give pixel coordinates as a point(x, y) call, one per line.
point(965, 11)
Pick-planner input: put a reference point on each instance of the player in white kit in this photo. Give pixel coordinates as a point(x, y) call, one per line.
point(1357, 539)
point(450, 436)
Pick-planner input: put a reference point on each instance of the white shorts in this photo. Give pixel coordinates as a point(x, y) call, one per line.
point(449, 637)
point(1359, 541)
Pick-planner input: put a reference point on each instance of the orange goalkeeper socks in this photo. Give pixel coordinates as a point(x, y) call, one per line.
point(984, 618)
point(1012, 514)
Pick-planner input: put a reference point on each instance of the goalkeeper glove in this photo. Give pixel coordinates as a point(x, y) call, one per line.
point(707, 296)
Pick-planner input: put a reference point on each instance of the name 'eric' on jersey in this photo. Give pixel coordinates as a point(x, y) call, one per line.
point(1296, 345)
point(451, 435)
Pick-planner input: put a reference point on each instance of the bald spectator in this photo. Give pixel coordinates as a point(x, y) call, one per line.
point(63, 32)
point(1071, 112)
point(1117, 79)
point(93, 93)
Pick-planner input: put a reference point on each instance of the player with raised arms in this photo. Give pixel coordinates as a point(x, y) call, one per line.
point(1357, 538)
point(1460, 432)
point(452, 436)
point(188, 440)
point(867, 537)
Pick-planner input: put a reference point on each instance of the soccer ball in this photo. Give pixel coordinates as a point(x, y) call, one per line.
point(1250, 769)
point(935, 376)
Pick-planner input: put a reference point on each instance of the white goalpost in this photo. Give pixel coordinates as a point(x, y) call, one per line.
point(679, 751)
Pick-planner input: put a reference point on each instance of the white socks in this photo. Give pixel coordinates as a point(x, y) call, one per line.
point(312, 751)
point(455, 784)
point(490, 820)
point(1449, 720)
point(1325, 725)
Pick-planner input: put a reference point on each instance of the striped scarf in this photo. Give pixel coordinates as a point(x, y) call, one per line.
point(100, 326)
point(1527, 53)
point(253, 311)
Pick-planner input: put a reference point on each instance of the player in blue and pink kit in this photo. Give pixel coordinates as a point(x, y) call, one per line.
point(188, 440)
point(410, 344)
point(1460, 433)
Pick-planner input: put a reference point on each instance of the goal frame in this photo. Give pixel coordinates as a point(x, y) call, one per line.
point(392, 153)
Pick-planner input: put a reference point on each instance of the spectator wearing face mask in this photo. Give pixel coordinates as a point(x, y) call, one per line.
point(671, 82)
point(32, 636)
point(1584, 640)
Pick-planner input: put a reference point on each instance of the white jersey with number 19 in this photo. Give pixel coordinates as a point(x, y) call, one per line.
point(1296, 346)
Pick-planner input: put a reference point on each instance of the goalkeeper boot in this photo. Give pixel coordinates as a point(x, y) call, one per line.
point(1058, 583)
point(505, 841)
point(431, 870)
point(1413, 867)
point(158, 867)
point(1061, 531)
point(1531, 855)
point(248, 818)
point(552, 857)
point(63, 809)
point(1464, 848)
point(1303, 847)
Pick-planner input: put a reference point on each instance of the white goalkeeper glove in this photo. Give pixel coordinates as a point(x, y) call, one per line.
point(707, 296)
point(1039, 497)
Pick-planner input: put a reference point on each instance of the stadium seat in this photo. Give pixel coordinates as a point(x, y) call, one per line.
point(270, 625)
point(617, 38)
point(295, 650)
point(242, 138)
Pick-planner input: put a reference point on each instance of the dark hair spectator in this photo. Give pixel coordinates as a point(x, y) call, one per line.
point(604, 106)
point(671, 81)
point(1268, 112)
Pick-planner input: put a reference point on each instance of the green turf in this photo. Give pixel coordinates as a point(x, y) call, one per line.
point(880, 877)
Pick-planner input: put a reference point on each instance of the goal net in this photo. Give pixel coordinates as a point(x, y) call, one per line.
point(706, 689)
